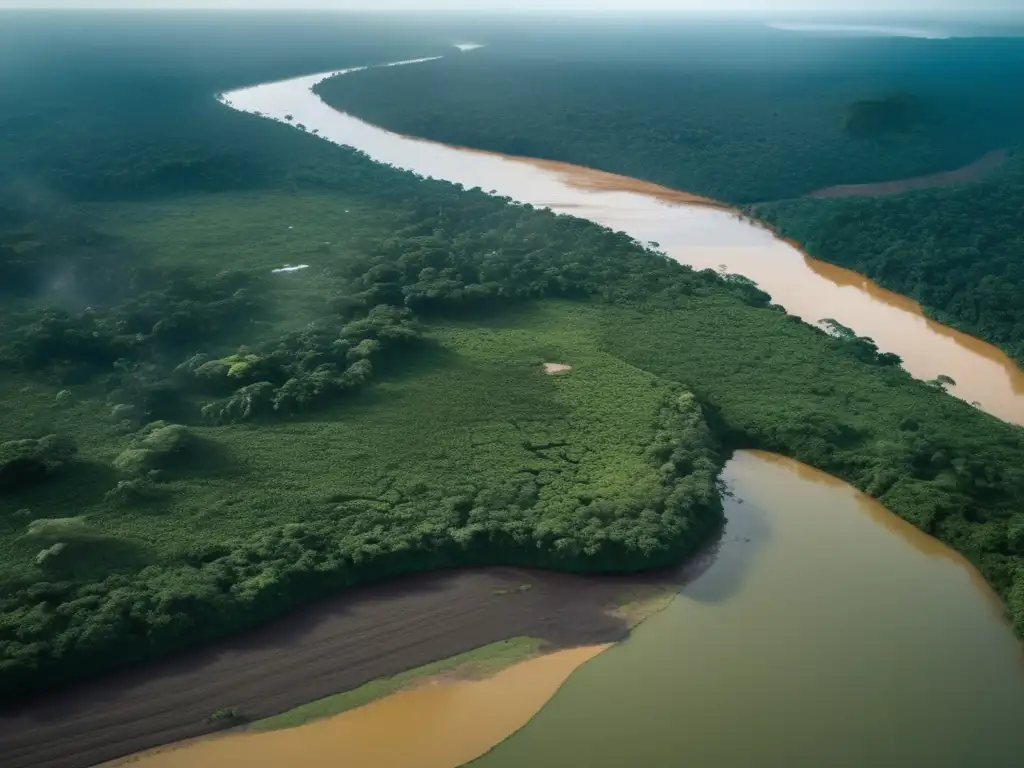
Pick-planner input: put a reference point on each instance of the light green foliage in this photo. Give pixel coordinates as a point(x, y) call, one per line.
point(158, 446)
point(135, 461)
point(166, 439)
point(242, 366)
point(50, 554)
point(53, 450)
point(58, 528)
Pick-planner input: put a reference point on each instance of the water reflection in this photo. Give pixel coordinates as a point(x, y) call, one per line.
point(909, 534)
point(826, 633)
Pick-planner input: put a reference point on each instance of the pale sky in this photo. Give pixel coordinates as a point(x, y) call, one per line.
point(813, 7)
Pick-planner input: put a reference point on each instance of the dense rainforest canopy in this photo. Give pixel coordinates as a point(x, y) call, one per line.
point(194, 443)
point(790, 116)
point(786, 120)
point(959, 251)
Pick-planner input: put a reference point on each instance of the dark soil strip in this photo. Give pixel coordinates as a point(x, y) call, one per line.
point(973, 172)
point(326, 648)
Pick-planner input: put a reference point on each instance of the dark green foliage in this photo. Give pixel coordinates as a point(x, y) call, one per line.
point(144, 329)
point(878, 118)
point(958, 251)
point(791, 115)
point(861, 347)
point(157, 447)
point(303, 368)
point(606, 470)
point(28, 462)
point(227, 717)
point(1016, 534)
point(397, 418)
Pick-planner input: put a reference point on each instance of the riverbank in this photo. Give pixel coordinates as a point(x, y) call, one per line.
point(695, 231)
point(762, 567)
point(975, 171)
point(769, 382)
point(444, 722)
point(328, 647)
point(818, 600)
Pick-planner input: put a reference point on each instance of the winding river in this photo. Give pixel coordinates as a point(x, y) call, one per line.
point(827, 632)
point(690, 230)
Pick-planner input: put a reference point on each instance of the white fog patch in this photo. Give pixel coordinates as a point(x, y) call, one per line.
point(290, 268)
point(863, 30)
point(400, 63)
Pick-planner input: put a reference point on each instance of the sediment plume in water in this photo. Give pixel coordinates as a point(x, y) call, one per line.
point(436, 724)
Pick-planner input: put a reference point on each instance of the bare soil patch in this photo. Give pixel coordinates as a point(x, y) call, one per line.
point(556, 368)
point(331, 646)
point(971, 172)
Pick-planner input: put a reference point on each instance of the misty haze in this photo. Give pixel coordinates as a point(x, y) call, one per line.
point(418, 385)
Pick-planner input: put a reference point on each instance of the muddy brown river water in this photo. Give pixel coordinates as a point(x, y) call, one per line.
point(689, 229)
point(827, 632)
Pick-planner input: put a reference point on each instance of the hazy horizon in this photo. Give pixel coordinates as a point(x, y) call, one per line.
point(713, 7)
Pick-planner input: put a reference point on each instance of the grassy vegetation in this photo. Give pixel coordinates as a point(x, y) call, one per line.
point(476, 664)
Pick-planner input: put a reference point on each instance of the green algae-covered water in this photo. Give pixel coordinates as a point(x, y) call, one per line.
point(827, 632)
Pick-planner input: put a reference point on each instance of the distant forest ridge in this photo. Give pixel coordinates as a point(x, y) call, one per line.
point(853, 118)
point(775, 128)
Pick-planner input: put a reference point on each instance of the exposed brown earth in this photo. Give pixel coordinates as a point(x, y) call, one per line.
point(326, 648)
point(971, 172)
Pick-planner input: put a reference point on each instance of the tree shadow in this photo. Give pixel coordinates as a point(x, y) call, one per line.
point(207, 457)
point(407, 362)
point(95, 558)
point(745, 534)
point(77, 485)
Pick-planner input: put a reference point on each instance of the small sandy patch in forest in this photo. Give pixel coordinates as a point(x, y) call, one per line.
point(553, 368)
